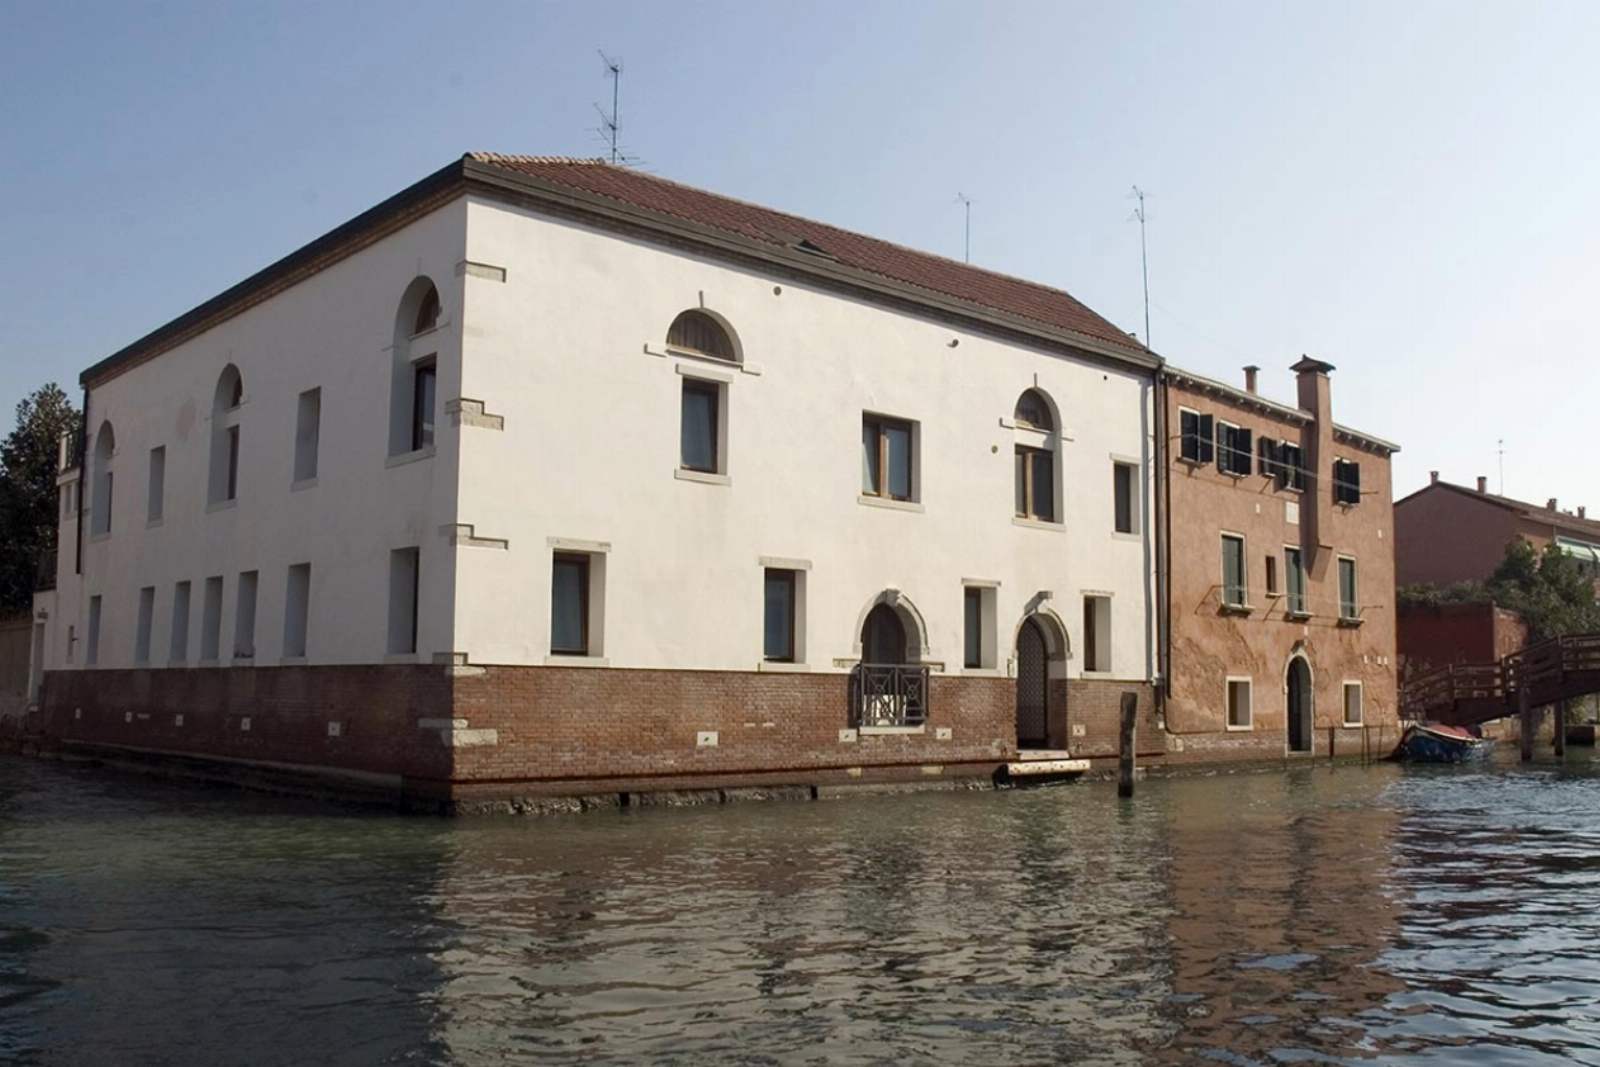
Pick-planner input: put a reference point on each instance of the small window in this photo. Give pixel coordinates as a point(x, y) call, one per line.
point(1239, 713)
point(424, 386)
point(1268, 459)
point(1033, 412)
point(232, 489)
point(569, 605)
point(1352, 704)
point(886, 458)
point(778, 616)
point(296, 610)
point(1195, 440)
point(427, 312)
point(158, 484)
point(1097, 633)
point(307, 431)
point(211, 620)
point(178, 646)
point(244, 617)
point(700, 333)
point(405, 574)
point(972, 627)
point(1124, 501)
point(698, 437)
point(1235, 593)
point(91, 655)
point(1295, 573)
point(1272, 575)
point(1233, 449)
point(146, 620)
point(1346, 482)
point(1291, 472)
point(1349, 609)
point(1035, 484)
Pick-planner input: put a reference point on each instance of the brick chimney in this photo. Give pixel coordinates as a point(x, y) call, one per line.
point(1433, 477)
point(1316, 441)
point(1551, 503)
point(1483, 484)
point(1250, 373)
point(1583, 512)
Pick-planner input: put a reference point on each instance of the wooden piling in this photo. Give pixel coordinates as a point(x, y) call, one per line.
point(1560, 712)
point(1130, 710)
point(1526, 722)
point(1332, 736)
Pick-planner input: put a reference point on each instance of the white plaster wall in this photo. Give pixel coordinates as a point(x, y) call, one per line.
point(333, 331)
point(590, 445)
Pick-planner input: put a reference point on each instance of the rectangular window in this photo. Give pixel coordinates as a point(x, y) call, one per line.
point(244, 617)
point(1123, 499)
point(1195, 430)
point(1239, 703)
point(404, 578)
point(147, 618)
point(972, 627)
point(778, 615)
point(307, 431)
point(1267, 457)
point(1096, 633)
point(1035, 484)
point(233, 463)
point(1349, 609)
point(1291, 467)
point(698, 442)
point(424, 384)
point(1235, 593)
point(296, 610)
point(886, 458)
point(569, 605)
point(158, 483)
point(211, 620)
point(1346, 482)
point(91, 655)
point(1352, 704)
point(1233, 449)
point(178, 645)
point(1295, 573)
point(1272, 575)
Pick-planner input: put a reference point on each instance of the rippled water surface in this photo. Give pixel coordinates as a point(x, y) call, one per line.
point(1316, 915)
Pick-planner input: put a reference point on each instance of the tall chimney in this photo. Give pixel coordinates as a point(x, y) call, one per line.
point(1433, 477)
point(1483, 484)
point(1316, 443)
point(1583, 512)
point(1551, 503)
point(1250, 373)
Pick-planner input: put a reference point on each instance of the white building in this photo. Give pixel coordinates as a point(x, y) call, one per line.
point(600, 478)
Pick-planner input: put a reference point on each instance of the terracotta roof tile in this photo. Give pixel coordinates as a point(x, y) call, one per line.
point(1015, 296)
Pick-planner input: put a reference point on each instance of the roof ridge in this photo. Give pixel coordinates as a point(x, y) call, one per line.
point(513, 157)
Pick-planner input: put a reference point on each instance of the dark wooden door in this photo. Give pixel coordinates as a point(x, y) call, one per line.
point(1299, 706)
point(1033, 686)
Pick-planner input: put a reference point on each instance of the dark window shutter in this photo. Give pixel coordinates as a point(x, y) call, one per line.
point(1189, 430)
point(1207, 437)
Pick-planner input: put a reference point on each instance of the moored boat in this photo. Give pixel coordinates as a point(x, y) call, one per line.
point(1432, 742)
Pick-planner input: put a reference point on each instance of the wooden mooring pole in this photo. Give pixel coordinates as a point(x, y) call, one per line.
point(1130, 712)
point(1525, 728)
point(1560, 712)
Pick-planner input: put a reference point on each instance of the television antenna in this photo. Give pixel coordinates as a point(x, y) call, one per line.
point(966, 202)
point(1144, 261)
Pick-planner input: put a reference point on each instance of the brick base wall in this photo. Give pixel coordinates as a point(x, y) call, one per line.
point(475, 734)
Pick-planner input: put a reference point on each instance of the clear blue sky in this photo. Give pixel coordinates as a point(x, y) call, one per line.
point(1407, 190)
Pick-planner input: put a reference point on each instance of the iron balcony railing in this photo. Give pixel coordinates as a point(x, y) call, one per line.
point(888, 694)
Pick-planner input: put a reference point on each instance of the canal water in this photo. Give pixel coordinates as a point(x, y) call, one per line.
point(1322, 914)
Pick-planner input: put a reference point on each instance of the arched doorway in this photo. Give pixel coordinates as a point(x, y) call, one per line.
point(889, 687)
point(883, 637)
point(1297, 704)
point(1033, 687)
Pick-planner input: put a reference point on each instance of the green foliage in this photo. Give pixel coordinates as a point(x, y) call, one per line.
point(1552, 591)
point(28, 491)
point(1433, 596)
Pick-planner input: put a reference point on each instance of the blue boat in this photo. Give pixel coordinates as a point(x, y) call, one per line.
point(1433, 742)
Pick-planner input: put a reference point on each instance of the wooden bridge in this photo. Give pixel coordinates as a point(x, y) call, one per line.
point(1541, 675)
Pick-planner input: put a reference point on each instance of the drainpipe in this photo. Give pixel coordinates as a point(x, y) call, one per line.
point(1163, 531)
point(83, 449)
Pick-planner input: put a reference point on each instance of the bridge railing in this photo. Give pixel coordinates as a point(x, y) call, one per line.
point(1444, 687)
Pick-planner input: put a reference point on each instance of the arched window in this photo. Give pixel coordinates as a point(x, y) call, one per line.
point(703, 334)
point(105, 446)
point(413, 385)
point(889, 687)
point(1035, 466)
point(225, 405)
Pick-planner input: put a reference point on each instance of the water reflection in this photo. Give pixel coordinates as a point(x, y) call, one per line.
point(1322, 914)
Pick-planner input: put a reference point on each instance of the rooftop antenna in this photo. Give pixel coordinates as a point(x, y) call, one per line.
point(1502, 447)
point(1144, 261)
point(966, 201)
point(609, 123)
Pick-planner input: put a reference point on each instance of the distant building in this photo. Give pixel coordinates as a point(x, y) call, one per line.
point(1281, 634)
point(1447, 533)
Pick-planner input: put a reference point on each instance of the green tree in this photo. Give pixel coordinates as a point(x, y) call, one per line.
point(1552, 591)
point(28, 491)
